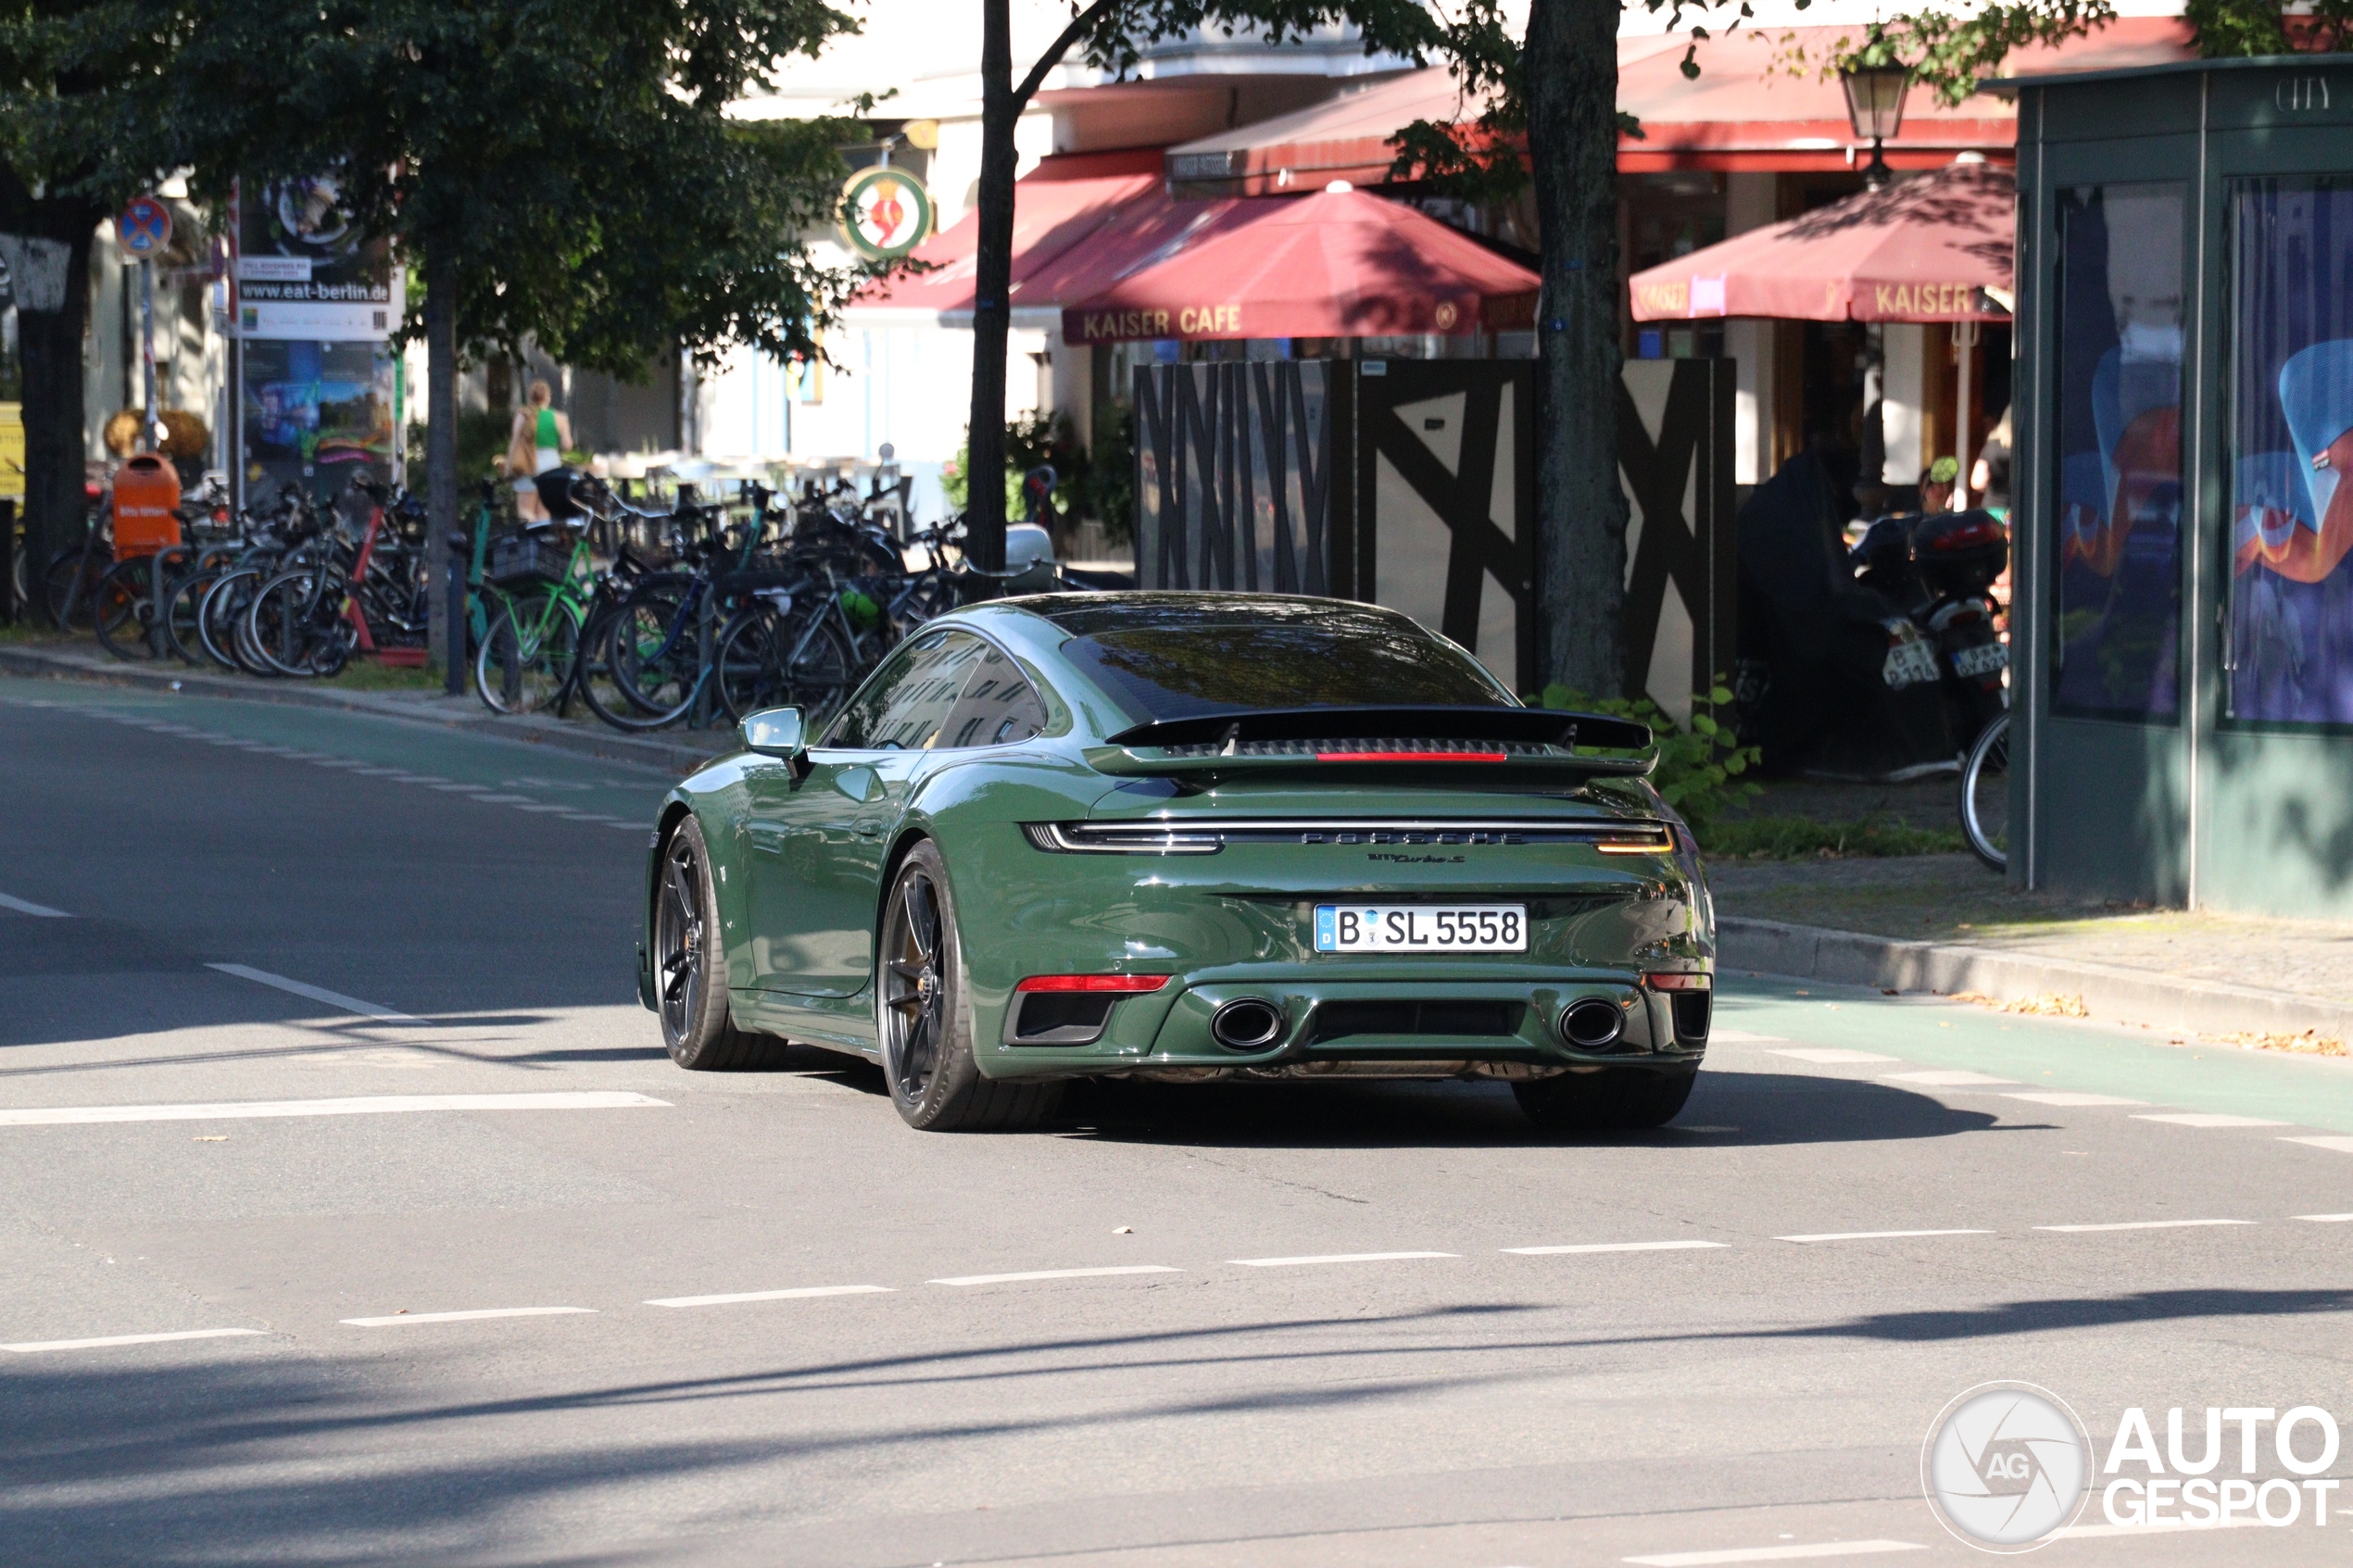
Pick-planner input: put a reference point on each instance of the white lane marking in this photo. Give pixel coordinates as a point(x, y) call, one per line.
point(358, 1105)
point(340, 762)
point(1614, 1247)
point(2065, 1096)
point(504, 799)
point(2096, 1532)
point(435, 780)
point(2342, 1146)
point(2146, 1226)
point(526, 806)
point(2324, 1219)
point(1056, 1273)
point(454, 786)
point(27, 907)
point(34, 1346)
point(1945, 1080)
point(402, 1319)
point(1873, 1235)
point(1743, 1037)
point(1833, 1059)
point(804, 1292)
point(316, 994)
point(2208, 1118)
point(1773, 1553)
point(629, 827)
point(1336, 1258)
point(380, 773)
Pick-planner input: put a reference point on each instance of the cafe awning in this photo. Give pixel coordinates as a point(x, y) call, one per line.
point(1337, 264)
point(1935, 248)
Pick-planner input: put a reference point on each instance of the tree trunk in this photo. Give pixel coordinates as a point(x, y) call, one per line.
point(1570, 64)
point(49, 354)
point(992, 307)
point(446, 637)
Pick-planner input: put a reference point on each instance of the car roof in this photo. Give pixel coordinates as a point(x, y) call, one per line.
point(1086, 615)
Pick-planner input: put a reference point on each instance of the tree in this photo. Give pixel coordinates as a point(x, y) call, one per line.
point(565, 174)
point(1110, 34)
point(63, 63)
point(1546, 115)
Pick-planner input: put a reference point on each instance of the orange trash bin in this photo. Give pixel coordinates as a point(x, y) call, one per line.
point(147, 502)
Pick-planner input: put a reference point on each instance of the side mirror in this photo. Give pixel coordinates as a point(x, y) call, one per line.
point(776, 732)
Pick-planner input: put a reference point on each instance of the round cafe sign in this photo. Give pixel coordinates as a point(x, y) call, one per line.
point(885, 213)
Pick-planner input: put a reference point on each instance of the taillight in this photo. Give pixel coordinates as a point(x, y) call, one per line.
point(1119, 985)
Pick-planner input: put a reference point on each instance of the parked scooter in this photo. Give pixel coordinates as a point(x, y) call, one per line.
point(1832, 676)
point(1939, 567)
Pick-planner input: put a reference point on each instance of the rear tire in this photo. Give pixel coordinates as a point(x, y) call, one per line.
point(690, 966)
point(1616, 1100)
point(922, 1013)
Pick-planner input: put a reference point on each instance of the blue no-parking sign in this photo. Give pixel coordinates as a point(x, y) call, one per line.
point(144, 228)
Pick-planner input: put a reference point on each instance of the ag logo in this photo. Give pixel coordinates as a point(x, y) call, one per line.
point(885, 213)
point(2006, 1466)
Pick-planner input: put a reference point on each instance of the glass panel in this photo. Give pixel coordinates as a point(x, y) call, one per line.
point(997, 706)
point(901, 705)
point(2118, 600)
point(2291, 434)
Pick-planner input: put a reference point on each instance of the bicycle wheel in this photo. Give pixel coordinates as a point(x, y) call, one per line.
point(527, 653)
point(182, 606)
point(1985, 795)
point(123, 608)
point(223, 612)
point(651, 671)
point(295, 627)
point(70, 574)
point(769, 661)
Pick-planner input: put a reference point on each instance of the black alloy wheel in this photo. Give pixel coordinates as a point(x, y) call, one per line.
point(924, 1019)
point(690, 965)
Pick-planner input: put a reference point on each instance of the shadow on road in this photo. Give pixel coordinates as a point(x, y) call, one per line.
point(1728, 1108)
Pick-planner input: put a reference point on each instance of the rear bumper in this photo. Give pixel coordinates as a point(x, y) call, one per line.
point(1413, 1024)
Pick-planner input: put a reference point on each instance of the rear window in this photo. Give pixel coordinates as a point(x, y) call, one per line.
point(1193, 662)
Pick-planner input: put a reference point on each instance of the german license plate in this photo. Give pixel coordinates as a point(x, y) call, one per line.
point(1983, 659)
point(1421, 928)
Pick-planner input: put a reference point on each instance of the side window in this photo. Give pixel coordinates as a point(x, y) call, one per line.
point(996, 707)
point(862, 717)
point(918, 705)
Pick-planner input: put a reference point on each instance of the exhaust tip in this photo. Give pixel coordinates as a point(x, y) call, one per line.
point(1247, 1025)
point(1592, 1024)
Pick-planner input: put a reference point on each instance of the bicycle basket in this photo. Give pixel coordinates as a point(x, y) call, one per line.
point(528, 558)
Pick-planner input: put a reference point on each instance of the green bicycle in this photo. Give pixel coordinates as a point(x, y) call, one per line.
point(535, 593)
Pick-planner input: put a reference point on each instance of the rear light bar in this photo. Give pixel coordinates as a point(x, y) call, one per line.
point(1413, 757)
point(1663, 844)
point(1679, 980)
point(1118, 984)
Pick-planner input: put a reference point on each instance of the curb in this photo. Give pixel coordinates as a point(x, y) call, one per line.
point(664, 756)
point(2109, 992)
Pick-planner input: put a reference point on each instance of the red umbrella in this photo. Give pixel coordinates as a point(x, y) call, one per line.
point(1933, 249)
point(1938, 248)
point(1338, 264)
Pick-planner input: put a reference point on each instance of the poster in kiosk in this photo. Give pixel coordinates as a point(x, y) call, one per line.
point(319, 389)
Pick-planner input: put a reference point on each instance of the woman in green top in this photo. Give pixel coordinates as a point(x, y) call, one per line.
point(535, 444)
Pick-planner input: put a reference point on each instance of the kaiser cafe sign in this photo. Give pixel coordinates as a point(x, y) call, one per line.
point(1911, 302)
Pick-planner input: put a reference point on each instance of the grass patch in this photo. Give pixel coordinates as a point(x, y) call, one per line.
point(367, 675)
point(1802, 838)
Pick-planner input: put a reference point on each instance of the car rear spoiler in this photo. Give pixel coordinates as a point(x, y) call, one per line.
point(1495, 746)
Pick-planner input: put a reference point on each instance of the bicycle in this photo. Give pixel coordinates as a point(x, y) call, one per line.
point(1985, 795)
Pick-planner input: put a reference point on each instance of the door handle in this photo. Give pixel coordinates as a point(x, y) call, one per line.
point(868, 827)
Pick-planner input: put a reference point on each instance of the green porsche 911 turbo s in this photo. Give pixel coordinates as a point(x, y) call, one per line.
point(1186, 837)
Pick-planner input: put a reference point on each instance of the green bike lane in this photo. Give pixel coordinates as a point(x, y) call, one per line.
point(2043, 1055)
point(537, 774)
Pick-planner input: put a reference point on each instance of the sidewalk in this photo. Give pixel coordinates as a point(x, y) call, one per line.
point(1944, 924)
point(675, 752)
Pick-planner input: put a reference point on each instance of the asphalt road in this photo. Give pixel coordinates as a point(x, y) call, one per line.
point(499, 1285)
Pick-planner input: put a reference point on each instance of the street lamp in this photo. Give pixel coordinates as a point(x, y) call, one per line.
point(1875, 106)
